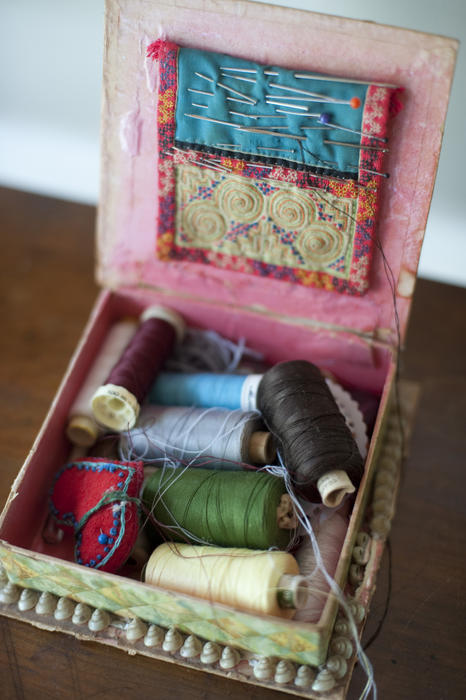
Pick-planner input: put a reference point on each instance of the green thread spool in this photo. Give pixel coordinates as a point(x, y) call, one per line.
point(229, 509)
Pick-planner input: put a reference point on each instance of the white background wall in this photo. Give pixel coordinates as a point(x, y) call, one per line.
point(50, 82)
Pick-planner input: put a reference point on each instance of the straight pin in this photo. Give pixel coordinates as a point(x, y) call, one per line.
point(239, 77)
point(201, 92)
point(260, 127)
point(210, 119)
point(301, 92)
point(239, 70)
point(326, 163)
point(213, 164)
point(324, 167)
point(356, 145)
point(201, 75)
point(324, 118)
point(252, 130)
point(270, 148)
point(240, 114)
point(270, 72)
point(261, 165)
point(296, 114)
point(194, 104)
point(227, 145)
point(341, 179)
point(212, 167)
point(235, 99)
point(322, 128)
point(259, 116)
point(374, 172)
point(291, 97)
point(299, 99)
point(285, 104)
point(235, 92)
point(354, 102)
point(308, 76)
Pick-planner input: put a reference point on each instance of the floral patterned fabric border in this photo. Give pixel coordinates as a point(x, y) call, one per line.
point(324, 239)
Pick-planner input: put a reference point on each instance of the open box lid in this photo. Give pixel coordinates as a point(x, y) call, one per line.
point(421, 64)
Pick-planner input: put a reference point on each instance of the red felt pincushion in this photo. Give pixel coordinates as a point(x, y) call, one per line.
point(93, 497)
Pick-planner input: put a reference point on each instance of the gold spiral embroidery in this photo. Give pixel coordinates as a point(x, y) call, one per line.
point(291, 210)
point(320, 245)
point(240, 200)
point(202, 223)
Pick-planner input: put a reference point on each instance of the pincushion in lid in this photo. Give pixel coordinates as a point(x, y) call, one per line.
point(268, 171)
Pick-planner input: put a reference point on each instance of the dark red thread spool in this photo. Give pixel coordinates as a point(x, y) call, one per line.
point(316, 445)
point(116, 403)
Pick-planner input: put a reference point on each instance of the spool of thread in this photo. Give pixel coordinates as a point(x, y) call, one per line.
point(208, 351)
point(116, 404)
point(235, 391)
point(206, 390)
point(214, 438)
point(259, 582)
point(82, 428)
point(229, 509)
point(315, 443)
point(330, 538)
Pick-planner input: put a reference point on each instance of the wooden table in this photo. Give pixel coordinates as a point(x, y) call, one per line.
point(47, 293)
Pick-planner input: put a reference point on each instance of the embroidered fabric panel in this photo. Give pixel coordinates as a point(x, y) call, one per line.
point(262, 220)
point(305, 213)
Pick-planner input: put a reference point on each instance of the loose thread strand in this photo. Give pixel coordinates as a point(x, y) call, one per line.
point(336, 590)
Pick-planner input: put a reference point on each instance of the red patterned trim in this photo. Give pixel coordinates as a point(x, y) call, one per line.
point(167, 55)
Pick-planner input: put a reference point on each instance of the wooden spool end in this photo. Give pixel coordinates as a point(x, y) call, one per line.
point(262, 448)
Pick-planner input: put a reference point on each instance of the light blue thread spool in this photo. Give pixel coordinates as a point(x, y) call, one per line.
point(206, 390)
point(213, 438)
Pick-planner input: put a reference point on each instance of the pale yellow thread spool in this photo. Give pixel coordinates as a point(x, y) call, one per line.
point(255, 581)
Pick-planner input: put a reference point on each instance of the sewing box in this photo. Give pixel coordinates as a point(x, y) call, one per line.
point(341, 317)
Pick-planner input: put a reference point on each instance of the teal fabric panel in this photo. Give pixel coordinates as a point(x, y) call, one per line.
point(312, 152)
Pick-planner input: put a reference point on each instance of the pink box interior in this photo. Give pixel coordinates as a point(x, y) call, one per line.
point(28, 509)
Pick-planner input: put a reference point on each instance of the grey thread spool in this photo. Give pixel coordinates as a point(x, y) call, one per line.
point(211, 438)
point(316, 445)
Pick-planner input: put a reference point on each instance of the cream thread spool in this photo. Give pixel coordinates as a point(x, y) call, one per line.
point(82, 428)
point(262, 582)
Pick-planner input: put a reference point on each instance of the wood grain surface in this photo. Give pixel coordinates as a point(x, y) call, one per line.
point(47, 293)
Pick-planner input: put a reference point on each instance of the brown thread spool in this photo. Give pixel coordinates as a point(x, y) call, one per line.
point(116, 404)
point(317, 446)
